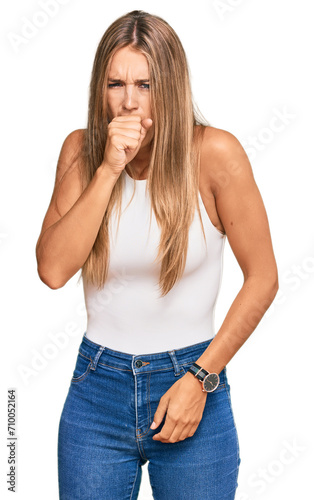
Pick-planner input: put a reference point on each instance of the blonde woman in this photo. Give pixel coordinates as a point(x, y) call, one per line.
point(144, 199)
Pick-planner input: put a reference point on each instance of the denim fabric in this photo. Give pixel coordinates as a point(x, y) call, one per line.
point(104, 434)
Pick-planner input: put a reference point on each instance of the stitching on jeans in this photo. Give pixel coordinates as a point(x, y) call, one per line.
point(221, 386)
point(81, 377)
point(126, 369)
point(135, 479)
point(142, 449)
point(182, 365)
point(149, 410)
point(232, 414)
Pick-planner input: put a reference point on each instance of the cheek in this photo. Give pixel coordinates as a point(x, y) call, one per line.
point(147, 108)
point(111, 108)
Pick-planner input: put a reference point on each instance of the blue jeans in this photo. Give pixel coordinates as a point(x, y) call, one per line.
point(105, 437)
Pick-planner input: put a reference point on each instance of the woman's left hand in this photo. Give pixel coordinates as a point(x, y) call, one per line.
point(184, 403)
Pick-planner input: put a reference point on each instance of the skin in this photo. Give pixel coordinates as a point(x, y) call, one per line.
point(234, 206)
point(128, 100)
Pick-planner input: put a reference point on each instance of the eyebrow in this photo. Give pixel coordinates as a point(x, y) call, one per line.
point(121, 81)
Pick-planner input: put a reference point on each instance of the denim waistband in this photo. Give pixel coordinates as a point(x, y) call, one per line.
point(141, 363)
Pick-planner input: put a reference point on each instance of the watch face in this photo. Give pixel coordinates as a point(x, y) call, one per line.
point(211, 382)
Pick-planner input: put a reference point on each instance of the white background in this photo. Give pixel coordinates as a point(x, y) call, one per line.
point(250, 62)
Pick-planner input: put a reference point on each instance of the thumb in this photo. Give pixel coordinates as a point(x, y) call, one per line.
point(146, 125)
point(159, 415)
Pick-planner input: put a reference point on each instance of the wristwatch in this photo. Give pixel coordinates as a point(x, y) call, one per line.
point(210, 381)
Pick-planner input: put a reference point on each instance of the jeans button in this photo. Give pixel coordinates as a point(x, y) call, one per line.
point(138, 363)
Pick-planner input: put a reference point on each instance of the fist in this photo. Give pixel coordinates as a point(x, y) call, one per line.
point(125, 137)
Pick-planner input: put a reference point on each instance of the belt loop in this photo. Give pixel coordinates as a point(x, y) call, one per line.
point(96, 358)
point(175, 362)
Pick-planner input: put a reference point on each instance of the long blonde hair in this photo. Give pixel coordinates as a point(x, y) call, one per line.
point(173, 173)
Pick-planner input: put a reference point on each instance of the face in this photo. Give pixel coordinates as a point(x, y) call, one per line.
point(128, 86)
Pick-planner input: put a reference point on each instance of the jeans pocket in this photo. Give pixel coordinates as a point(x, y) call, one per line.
point(82, 368)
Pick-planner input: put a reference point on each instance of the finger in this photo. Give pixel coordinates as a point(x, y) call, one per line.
point(167, 430)
point(121, 143)
point(126, 132)
point(178, 434)
point(180, 431)
point(160, 412)
point(147, 123)
point(130, 125)
point(126, 119)
point(188, 431)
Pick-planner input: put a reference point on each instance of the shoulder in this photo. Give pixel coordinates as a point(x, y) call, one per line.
point(74, 140)
point(69, 166)
point(217, 141)
point(70, 152)
point(222, 158)
point(68, 186)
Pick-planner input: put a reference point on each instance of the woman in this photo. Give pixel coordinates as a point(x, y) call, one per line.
point(150, 380)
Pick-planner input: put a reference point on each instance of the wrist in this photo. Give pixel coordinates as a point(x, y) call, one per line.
point(104, 171)
point(208, 380)
point(196, 382)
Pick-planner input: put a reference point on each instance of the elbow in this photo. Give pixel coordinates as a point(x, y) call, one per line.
point(270, 283)
point(266, 285)
point(49, 278)
point(274, 281)
point(273, 286)
point(47, 273)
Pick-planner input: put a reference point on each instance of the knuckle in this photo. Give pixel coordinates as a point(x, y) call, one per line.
point(132, 144)
point(173, 419)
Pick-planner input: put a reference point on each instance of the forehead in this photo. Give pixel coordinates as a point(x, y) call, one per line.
point(127, 61)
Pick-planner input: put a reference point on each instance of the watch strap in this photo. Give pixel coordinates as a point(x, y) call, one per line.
point(198, 371)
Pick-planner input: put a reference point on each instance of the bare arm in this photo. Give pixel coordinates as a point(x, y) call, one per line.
point(68, 235)
point(243, 215)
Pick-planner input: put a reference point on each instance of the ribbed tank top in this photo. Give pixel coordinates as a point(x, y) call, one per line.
point(128, 314)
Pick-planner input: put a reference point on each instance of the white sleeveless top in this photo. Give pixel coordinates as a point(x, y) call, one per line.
point(127, 314)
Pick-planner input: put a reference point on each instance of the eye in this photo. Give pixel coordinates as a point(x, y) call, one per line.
point(118, 84)
point(112, 85)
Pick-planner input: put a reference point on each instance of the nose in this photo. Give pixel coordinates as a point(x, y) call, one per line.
point(130, 98)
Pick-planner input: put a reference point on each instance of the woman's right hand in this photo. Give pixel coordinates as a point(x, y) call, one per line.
point(125, 136)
